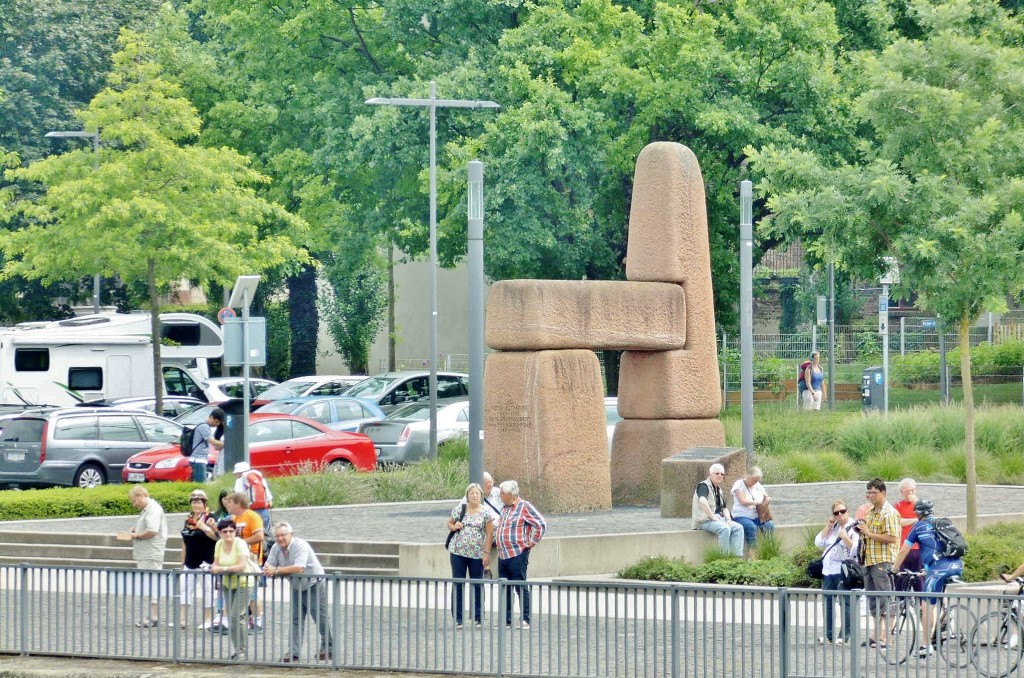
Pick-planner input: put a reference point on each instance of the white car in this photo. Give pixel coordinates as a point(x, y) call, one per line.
point(219, 389)
point(612, 416)
point(404, 435)
point(322, 385)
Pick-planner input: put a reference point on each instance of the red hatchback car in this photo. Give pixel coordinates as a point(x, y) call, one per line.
point(279, 444)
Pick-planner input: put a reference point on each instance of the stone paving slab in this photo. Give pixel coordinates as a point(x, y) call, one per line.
point(424, 522)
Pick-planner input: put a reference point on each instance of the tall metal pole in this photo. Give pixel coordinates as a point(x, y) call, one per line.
point(433, 103)
point(831, 335)
point(883, 329)
point(433, 268)
point(943, 369)
point(746, 317)
point(475, 205)
point(245, 378)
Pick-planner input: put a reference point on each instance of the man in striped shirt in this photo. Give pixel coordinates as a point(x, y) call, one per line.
point(520, 527)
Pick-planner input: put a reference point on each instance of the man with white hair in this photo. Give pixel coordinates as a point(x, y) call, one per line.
point(711, 515)
point(520, 527)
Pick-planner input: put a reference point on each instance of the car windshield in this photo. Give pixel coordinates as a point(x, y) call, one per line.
point(287, 389)
point(24, 431)
point(415, 411)
point(195, 416)
point(280, 406)
point(371, 387)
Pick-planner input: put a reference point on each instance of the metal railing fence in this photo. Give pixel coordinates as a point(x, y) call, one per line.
point(613, 629)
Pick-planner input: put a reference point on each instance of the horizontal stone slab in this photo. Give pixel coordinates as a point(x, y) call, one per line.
point(528, 315)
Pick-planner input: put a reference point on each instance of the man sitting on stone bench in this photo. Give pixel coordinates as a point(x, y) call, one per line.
point(710, 513)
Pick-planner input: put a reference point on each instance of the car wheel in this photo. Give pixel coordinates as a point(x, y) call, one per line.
point(340, 466)
point(90, 475)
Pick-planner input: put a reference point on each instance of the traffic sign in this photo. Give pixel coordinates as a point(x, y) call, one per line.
point(224, 314)
point(928, 323)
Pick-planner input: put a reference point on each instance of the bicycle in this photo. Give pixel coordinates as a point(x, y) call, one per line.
point(995, 642)
point(952, 626)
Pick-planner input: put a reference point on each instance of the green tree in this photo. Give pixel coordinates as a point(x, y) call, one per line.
point(150, 205)
point(939, 183)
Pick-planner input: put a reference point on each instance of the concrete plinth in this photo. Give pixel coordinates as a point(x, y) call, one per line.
point(681, 473)
point(545, 427)
point(639, 447)
point(593, 314)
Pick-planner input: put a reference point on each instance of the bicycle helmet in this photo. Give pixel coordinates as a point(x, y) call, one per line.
point(923, 509)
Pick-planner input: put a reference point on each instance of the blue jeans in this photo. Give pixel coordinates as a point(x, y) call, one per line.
point(751, 526)
point(834, 582)
point(514, 569)
point(730, 535)
point(198, 471)
point(475, 567)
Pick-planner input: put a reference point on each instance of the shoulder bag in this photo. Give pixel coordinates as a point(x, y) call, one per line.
point(451, 533)
point(816, 568)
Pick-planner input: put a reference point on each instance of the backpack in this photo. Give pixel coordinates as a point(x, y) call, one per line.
point(259, 494)
point(800, 373)
point(186, 441)
point(951, 541)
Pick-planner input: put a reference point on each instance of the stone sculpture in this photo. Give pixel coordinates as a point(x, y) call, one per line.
point(544, 414)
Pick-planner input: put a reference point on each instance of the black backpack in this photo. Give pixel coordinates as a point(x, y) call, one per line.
point(951, 541)
point(186, 441)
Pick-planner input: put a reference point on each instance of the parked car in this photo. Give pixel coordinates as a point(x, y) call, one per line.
point(196, 415)
point(612, 417)
point(392, 389)
point(404, 435)
point(340, 413)
point(77, 446)
point(325, 385)
point(219, 389)
point(172, 405)
point(279, 444)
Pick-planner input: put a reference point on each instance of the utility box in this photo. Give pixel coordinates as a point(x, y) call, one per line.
point(872, 390)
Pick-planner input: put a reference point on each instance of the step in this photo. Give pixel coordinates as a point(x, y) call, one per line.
point(37, 561)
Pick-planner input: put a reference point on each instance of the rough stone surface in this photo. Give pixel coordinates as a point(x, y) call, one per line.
point(545, 428)
point(639, 446)
point(681, 472)
point(591, 314)
point(670, 384)
point(668, 241)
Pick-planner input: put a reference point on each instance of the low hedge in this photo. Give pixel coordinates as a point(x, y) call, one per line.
point(992, 550)
point(108, 500)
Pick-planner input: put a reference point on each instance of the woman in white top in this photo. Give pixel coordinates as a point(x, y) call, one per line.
point(747, 495)
point(840, 539)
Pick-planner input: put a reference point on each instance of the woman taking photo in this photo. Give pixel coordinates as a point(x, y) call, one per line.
point(230, 558)
point(198, 544)
point(471, 529)
point(839, 540)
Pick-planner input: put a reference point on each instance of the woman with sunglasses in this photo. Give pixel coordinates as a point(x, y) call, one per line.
point(230, 558)
point(839, 540)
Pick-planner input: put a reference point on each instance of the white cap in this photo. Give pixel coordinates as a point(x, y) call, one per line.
point(242, 467)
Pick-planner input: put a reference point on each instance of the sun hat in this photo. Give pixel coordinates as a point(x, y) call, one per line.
point(242, 467)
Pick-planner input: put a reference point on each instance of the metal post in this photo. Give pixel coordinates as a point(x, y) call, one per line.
point(943, 372)
point(903, 329)
point(990, 327)
point(746, 317)
point(831, 335)
point(475, 204)
point(814, 337)
point(725, 373)
point(883, 330)
point(245, 378)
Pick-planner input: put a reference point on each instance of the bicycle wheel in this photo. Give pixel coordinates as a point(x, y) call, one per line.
point(954, 633)
point(902, 635)
point(996, 644)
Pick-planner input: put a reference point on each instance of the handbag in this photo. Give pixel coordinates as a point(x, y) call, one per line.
point(764, 511)
point(853, 574)
point(816, 568)
point(451, 533)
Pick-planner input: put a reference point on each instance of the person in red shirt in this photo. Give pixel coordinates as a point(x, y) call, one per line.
point(520, 527)
point(905, 507)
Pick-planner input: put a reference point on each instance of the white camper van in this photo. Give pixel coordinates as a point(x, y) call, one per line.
point(104, 356)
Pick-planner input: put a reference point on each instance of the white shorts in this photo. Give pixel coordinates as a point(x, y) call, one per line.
point(196, 585)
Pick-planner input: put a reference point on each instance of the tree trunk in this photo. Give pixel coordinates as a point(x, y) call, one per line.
point(304, 321)
point(154, 324)
point(391, 308)
point(972, 474)
point(611, 371)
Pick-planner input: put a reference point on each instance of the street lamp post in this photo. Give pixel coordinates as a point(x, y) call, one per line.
point(95, 136)
point(433, 103)
point(475, 251)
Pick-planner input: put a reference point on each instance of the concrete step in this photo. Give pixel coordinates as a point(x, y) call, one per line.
point(130, 565)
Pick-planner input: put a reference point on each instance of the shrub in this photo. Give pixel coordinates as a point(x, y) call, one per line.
point(768, 546)
point(659, 568)
point(948, 425)
point(816, 467)
point(911, 428)
point(885, 465)
point(915, 368)
point(74, 502)
point(993, 549)
point(861, 437)
point(330, 488)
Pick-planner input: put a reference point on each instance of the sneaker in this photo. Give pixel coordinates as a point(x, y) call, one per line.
point(1014, 641)
point(526, 626)
point(238, 657)
point(822, 640)
point(216, 621)
point(839, 641)
point(925, 651)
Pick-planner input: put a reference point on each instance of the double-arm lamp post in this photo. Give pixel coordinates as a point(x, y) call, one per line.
point(433, 103)
point(95, 136)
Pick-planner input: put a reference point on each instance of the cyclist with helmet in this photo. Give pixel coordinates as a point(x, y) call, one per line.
point(938, 570)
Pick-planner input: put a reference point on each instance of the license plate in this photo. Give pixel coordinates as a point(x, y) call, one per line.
point(136, 477)
point(15, 456)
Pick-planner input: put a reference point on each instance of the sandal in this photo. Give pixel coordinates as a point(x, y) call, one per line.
point(148, 624)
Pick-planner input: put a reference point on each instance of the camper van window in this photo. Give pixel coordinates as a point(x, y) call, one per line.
point(32, 359)
point(182, 335)
point(85, 378)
